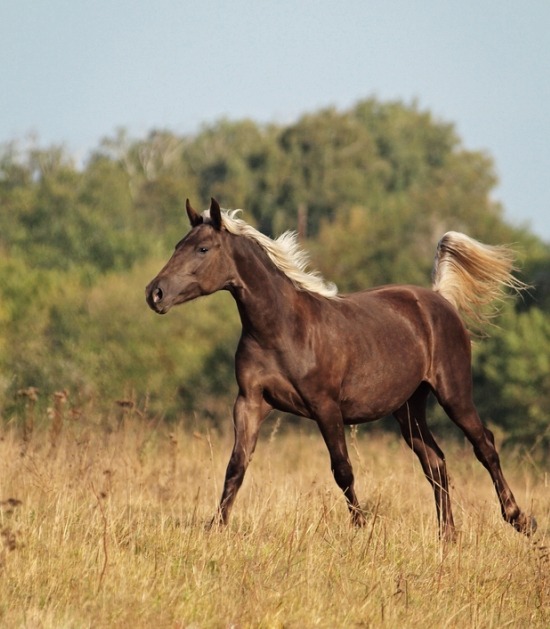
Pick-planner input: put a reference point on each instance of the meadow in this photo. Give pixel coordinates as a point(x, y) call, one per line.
point(104, 523)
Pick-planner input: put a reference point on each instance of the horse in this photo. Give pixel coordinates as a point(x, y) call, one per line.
point(345, 359)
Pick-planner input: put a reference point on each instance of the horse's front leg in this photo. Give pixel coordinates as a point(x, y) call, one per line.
point(332, 429)
point(248, 415)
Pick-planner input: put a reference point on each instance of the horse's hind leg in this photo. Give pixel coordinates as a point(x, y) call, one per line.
point(464, 414)
point(412, 421)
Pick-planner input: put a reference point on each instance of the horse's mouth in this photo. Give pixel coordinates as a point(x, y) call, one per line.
point(160, 309)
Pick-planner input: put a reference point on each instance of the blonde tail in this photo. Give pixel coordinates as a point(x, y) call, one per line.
point(474, 277)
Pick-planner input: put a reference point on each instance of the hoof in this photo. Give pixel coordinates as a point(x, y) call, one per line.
point(215, 524)
point(448, 535)
point(525, 524)
point(358, 518)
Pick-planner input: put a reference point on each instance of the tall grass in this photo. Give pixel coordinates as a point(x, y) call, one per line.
point(103, 524)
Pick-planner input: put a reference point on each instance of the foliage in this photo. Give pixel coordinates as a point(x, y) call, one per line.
point(370, 190)
point(514, 376)
point(103, 342)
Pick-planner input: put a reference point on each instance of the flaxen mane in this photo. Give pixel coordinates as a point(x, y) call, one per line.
point(284, 252)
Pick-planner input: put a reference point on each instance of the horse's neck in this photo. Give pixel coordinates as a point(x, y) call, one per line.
point(264, 295)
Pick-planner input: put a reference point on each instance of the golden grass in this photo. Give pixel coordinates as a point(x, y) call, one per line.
point(110, 532)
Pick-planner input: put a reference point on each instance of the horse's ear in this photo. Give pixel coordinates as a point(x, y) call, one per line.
point(194, 217)
point(215, 214)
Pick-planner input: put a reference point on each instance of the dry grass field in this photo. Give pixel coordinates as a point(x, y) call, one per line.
point(103, 524)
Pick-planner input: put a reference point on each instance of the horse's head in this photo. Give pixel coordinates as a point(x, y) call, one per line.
point(198, 266)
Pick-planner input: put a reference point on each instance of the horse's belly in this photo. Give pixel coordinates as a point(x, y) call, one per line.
point(358, 412)
point(377, 393)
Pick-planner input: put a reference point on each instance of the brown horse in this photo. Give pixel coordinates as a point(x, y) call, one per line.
point(347, 359)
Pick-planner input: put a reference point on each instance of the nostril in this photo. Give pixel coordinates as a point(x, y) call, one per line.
point(157, 295)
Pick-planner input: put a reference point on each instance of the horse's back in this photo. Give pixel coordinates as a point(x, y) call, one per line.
point(420, 307)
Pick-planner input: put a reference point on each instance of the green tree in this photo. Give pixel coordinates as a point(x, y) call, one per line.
point(512, 377)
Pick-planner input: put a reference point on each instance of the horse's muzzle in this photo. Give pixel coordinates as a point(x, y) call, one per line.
point(154, 296)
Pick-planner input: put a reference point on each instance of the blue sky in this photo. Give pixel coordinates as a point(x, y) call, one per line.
point(74, 71)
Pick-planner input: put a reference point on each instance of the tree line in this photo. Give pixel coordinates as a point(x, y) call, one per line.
point(370, 191)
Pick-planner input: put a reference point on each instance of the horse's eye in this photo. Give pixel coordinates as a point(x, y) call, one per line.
point(203, 249)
